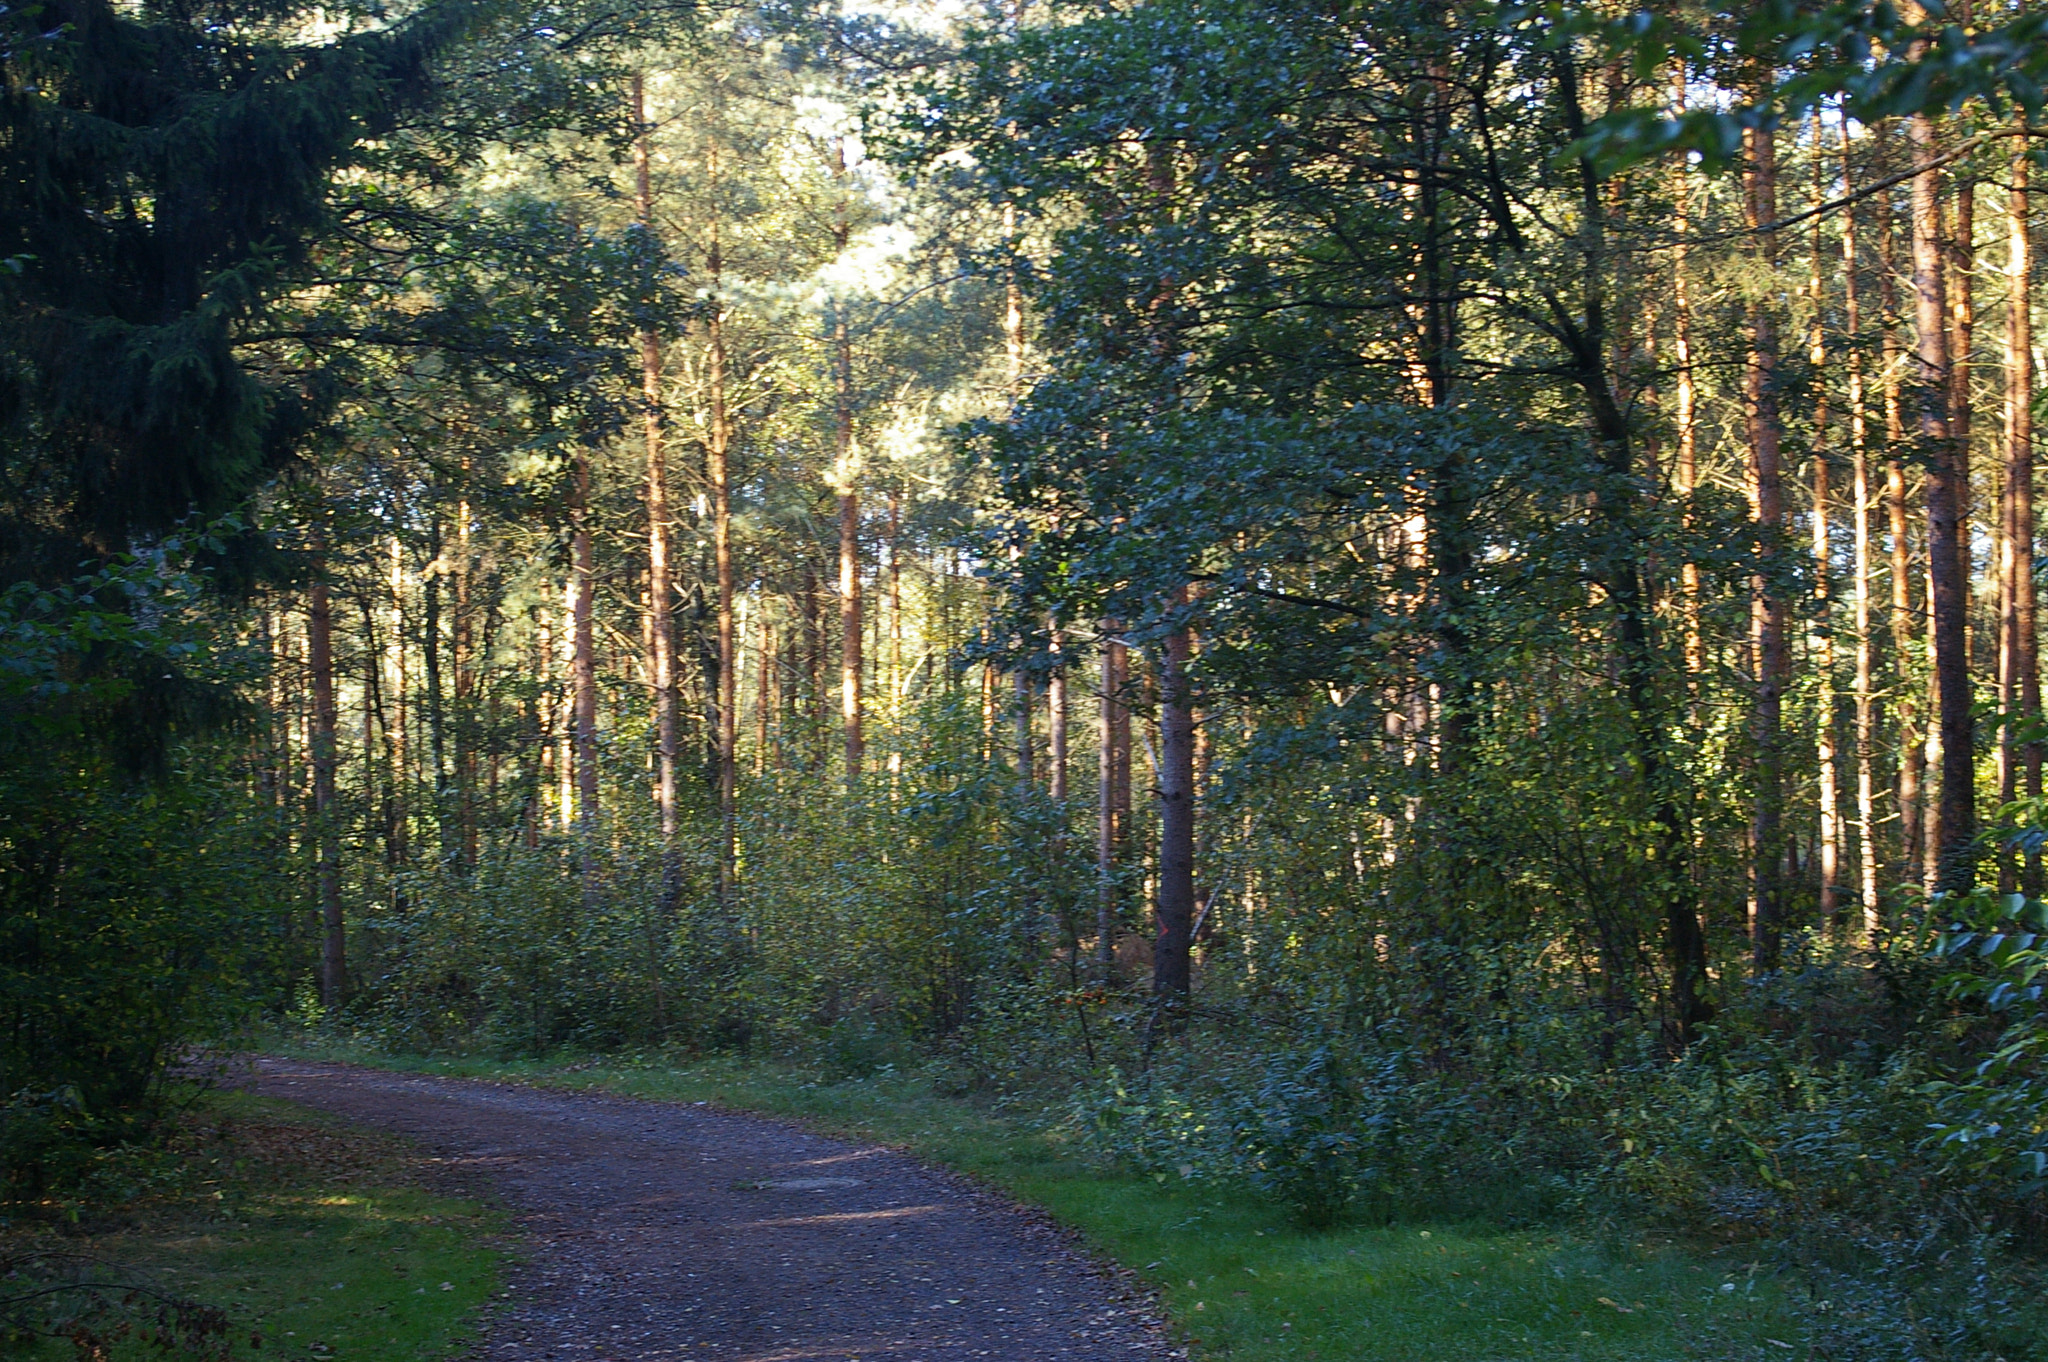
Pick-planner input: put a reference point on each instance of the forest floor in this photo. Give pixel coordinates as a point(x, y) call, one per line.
point(834, 1246)
point(273, 1230)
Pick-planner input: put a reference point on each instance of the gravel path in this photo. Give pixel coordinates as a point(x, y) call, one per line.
point(657, 1230)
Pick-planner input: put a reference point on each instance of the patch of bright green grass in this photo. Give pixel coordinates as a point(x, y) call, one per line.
point(1237, 1278)
point(315, 1238)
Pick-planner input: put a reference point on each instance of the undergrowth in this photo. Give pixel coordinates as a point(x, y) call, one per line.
point(258, 1229)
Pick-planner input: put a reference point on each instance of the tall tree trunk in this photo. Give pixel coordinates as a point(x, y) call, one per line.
point(399, 735)
point(1174, 912)
point(661, 658)
point(718, 476)
point(1905, 621)
point(898, 682)
point(565, 705)
point(1956, 821)
point(583, 656)
point(326, 757)
point(765, 687)
point(1962, 306)
point(1685, 467)
point(1056, 720)
point(1859, 455)
point(1767, 609)
point(1113, 779)
point(437, 715)
point(2018, 657)
point(463, 654)
point(1829, 792)
point(849, 501)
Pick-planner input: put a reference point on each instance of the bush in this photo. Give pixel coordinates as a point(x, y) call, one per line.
point(1306, 1139)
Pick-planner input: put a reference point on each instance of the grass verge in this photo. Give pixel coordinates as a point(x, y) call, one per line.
point(264, 1229)
point(1236, 1277)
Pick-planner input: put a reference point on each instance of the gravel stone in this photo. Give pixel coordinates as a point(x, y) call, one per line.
point(657, 1230)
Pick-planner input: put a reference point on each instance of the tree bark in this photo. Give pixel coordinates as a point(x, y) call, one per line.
point(583, 655)
point(718, 479)
point(399, 734)
point(661, 660)
point(1956, 829)
point(1685, 412)
point(1905, 621)
point(849, 502)
point(1056, 720)
point(1859, 456)
point(1174, 911)
point(2019, 670)
point(1767, 610)
point(1829, 791)
point(1962, 306)
point(326, 758)
point(1113, 779)
point(463, 655)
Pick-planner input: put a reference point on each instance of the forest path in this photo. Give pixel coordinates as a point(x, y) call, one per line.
point(655, 1230)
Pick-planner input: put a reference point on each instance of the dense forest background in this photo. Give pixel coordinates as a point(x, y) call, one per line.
point(1405, 603)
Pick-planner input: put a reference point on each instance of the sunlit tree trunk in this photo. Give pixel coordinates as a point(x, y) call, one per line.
point(1955, 823)
point(1904, 619)
point(325, 758)
point(1767, 609)
point(399, 734)
point(462, 653)
point(850, 633)
point(661, 661)
point(2019, 671)
point(1962, 307)
point(1685, 408)
point(1056, 719)
point(437, 718)
point(1829, 793)
point(897, 680)
point(583, 655)
point(764, 686)
point(1859, 456)
point(718, 481)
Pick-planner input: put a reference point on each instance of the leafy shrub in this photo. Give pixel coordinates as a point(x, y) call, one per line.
point(1992, 1120)
point(1154, 1130)
point(1306, 1139)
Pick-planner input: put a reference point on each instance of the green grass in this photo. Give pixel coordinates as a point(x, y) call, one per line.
point(317, 1238)
point(1237, 1278)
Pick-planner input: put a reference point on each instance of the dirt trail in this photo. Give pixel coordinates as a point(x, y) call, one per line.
point(656, 1230)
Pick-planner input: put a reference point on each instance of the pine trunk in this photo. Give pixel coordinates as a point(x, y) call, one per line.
point(2019, 660)
point(1955, 824)
point(326, 757)
point(1174, 911)
point(583, 655)
point(1859, 456)
point(1829, 792)
point(1113, 777)
point(1905, 621)
point(718, 477)
point(1767, 610)
point(661, 638)
point(850, 634)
